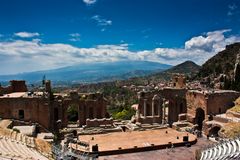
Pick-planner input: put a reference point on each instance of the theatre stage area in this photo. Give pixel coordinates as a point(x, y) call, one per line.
point(135, 141)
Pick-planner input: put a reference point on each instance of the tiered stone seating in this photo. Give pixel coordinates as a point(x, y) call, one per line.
point(220, 150)
point(234, 146)
point(13, 149)
point(224, 151)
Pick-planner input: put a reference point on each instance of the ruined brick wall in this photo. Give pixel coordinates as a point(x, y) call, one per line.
point(220, 102)
point(94, 106)
point(148, 98)
point(35, 110)
point(176, 98)
point(99, 122)
point(210, 102)
point(15, 86)
point(150, 120)
point(177, 102)
point(196, 99)
point(6, 90)
point(179, 81)
point(18, 86)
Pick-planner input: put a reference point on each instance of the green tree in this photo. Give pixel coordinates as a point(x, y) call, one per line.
point(72, 113)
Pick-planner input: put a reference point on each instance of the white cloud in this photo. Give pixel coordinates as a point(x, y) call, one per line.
point(89, 2)
point(232, 9)
point(123, 46)
point(22, 55)
point(232, 6)
point(101, 21)
point(206, 42)
point(74, 37)
point(26, 34)
point(103, 29)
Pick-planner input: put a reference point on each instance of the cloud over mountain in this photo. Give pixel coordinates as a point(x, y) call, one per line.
point(23, 55)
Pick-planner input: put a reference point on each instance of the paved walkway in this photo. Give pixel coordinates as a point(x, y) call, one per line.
point(179, 153)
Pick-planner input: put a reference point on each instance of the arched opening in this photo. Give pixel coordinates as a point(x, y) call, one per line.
point(72, 114)
point(156, 104)
point(56, 114)
point(91, 113)
point(199, 117)
point(213, 132)
point(148, 110)
point(21, 114)
point(74, 132)
point(181, 107)
point(219, 110)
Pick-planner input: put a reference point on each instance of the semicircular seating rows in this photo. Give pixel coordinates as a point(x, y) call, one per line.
point(227, 150)
point(13, 149)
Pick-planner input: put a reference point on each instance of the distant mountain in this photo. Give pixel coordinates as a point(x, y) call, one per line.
point(94, 72)
point(222, 62)
point(187, 67)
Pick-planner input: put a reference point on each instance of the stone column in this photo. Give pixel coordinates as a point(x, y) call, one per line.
point(153, 103)
point(79, 116)
point(164, 111)
point(159, 109)
point(144, 108)
point(138, 113)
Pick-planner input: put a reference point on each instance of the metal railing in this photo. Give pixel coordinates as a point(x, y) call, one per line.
point(66, 153)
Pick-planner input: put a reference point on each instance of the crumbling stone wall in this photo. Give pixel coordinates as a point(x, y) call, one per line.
point(179, 81)
point(15, 86)
point(99, 122)
point(213, 102)
point(89, 106)
point(48, 110)
point(153, 101)
point(34, 110)
point(196, 99)
point(177, 102)
point(221, 102)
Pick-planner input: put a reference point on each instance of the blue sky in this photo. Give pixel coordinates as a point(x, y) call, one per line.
point(45, 34)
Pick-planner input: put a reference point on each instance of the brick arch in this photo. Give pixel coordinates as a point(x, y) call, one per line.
point(214, 129)
point(199, 117)
point(65, 106)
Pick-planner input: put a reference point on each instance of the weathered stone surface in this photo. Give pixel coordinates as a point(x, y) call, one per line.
point(40, 108)
point(237, 69)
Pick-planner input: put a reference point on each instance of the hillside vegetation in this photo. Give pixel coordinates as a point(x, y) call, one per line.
point(223, 62)
point(189, 68)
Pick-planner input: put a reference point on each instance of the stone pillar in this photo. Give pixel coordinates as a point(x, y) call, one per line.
point(159, 109)
point(164, 111)
point(95, 109)
point(79, 116)
point(138, 113)
point(144, 108)
point(153, 103)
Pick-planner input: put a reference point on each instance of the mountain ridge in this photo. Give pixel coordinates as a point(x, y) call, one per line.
point(93, 72)
point(221, 63)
